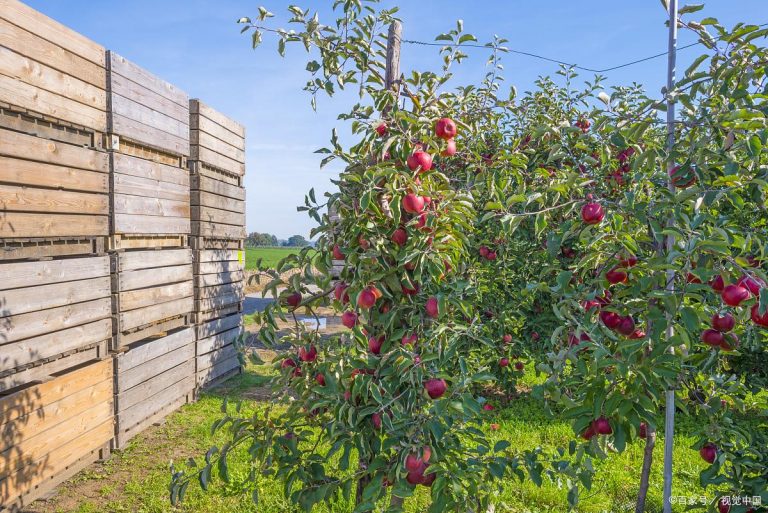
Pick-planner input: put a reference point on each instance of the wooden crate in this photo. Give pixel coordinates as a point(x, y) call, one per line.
point(152, 379)
point(216, 355)
point(153, 292)
point(216, 139)
point(48, 70)
point(219, 279)
point(146, 109)
point(218, 203)
point(51, 189)
point(50, 309)
point(53, 429)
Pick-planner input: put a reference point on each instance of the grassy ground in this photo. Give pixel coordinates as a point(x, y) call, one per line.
point(136, 480)
point(269, 256)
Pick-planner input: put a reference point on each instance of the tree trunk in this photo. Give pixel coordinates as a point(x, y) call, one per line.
point(645, 475)
point(362, 482)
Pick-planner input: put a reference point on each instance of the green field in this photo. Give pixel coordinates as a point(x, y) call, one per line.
point(136, 479)
point(270, 256)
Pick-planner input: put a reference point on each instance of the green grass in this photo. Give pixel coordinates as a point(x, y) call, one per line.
point(137, 479)
point(270, 256)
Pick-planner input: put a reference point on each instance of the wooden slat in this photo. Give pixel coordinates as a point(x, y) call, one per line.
point(35, 21)
point(19, 93)
point(216, 160)
point(135, 260)
point(217, 255)
point(218, 341)
point(218, 369)
point(32, 324)
point(139, 224)
point(135, 73)
point(203, 305)
point(138, 93)
point(151, 368)
point(22, 402)
point(210, 127)
point(127, 107)
point(200, 108)
point(152, 386)
point(148, 135)
point(43, 372)
point(21, 225)
point(218, 267)
point(152, 349)
point(26, 199)
point(143, 168)
point(31, 350)
point(37, 174)
point(215, 326)
point(210, 185)
point(215, 291)
point(124, 204)
point(15, 144)
point(208, 280)
point(199, 137)
point(215, 230)
point(29, 44)
point(45, 272)
point(150, 314)
point(31, 299)
point(215, 215)
point(137, 186)
point(207, 199)
point(208, 360)
point(155, 403)
point(198, 168)
point(141, 298)
point(124, 434)
point(151, 277)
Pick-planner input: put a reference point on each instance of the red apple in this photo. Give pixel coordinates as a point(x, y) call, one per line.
point(643, 431)
point(413, 203)
point(628, 261)
point(483, 251)
point(519, 366)
point(340, 292)
point(730, 341)
point(507, 339)
point(320, 379)
point(400, 237)
point(376, 420)
point(420, 160)
point(588, 433)
point(307, 354)
point(615, 276)
point(381, 129)
point(592, 213)
point(294, 300)
point(491, 255)
point(723, 323)
point(610, 319)
point(367, 298)
point(503, 362)
point(724, 505)
point(751, 283)
point(435, 387)
point(375, 343)
point(712, 337)
point(733, 295)
point(349, 319)
point(488, 407)
point(450, 148)
point(337, 254)
point(445, 128)
point(535, 335)
point(590, 304)
point(432, 307)
point(288, 362)
point(626, 326)
point(363, 242)
point(409, 339)
point(411, 291)
point(708, 452)
point(637, 334)
point(760, 320)
point(682, 178)
point(717, 283)
point(602, 426)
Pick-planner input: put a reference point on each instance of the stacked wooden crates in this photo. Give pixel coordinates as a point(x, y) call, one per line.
point(217, 168)
point(148, 142)
point(56, 388)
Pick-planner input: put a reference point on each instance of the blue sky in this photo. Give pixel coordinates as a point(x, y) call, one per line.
point(196, 45)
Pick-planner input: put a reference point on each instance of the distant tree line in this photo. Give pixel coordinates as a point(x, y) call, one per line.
point(256, 239)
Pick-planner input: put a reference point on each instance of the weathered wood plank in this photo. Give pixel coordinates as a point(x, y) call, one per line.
point(31, 299)
point(140, 224)
point(124, 434)
point(154, 385)
point(27, 43)
point(152, 349)
point(143, 168)
point(219, 132)
point(203, 305)
point(16, 92)
point(137, 186)
point(22, 224)
point(219, 369)
point(141, 298)
point(216, 159)
point(135, 260)
point(23, 146)
point(217, 255)
point(138, 93)
point(37, 174)
point(208, 360)
point(151, 368)
point(218, 341)
point(38, 74)
point(198, 107)
point(155, 403)
point(31, 350)
point(150, 314)
point(148, 135)
point(207, 199)
point(140, 205)
point(29, 274)
point(26, 199)
point(201, 138)
point(135, 73)
point(208, 280)
point(44, 371)
point(210, 185)
point(215, 326)
point(215, 215)
point(215, 291)
point(218, 267)
point(127, 107)
point(131, 280)
point(202, 169)
point(24, 16)
point(19, 327)
point(215, 230)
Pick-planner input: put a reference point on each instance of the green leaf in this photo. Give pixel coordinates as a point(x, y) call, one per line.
point(687, 9)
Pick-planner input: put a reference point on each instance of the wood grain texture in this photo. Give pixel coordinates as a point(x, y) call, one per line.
point(147, 135)
point(135, 260)
point(42, 372)
point(216, 160)
point(141, 224)
point(141, 298)
point(214, 215)
point(45, 272)
point(216, 255)
point(139, 205)
point(214, 129)
point(215, 291)
point(218, 267)
point(23, 146)
point(215, 326)
point(122, 66)
point(217, 370)
point(131, 280)
point(147, 97)
point(131, 109)
point(210, 185)
point(154, 385)
point(26, 199)
point(151, 349)
point(143, 168)
point(31, 299)
point(151, 368)
point(24, 224)
point(125, 433)
point(218, 341)
point(208, 280)
point(149, 188)
point(19, 327)
point(202, 138)
point(198, 107)
point(207, 199)
point(37, 174)
point(208, 360)
point(216, 230)
point(152, 314)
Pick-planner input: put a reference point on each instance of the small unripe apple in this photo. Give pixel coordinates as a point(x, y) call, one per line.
point(413, 203)
point(723, 323)
point(733, 295)
point(400, 237)
point(708, 452)
point(592, 213)
point(445, 128)
point(432, 307)
point(435, 387)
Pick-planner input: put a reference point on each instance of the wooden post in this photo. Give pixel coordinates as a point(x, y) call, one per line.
point(669, 417)
point(392, 76)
